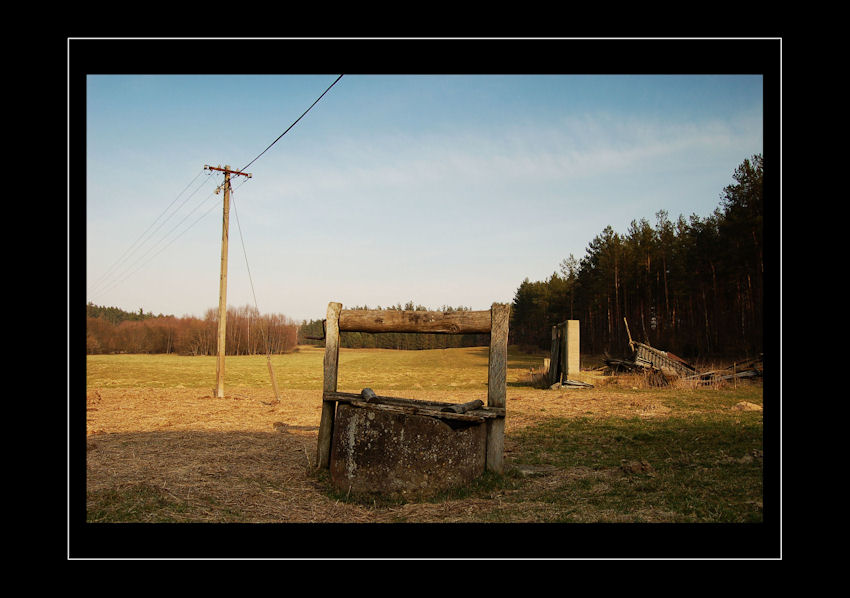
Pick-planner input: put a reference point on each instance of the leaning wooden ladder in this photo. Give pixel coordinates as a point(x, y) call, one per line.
point(494, 322)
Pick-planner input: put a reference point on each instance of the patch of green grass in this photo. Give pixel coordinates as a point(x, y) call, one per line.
point(702, 468)
point(145, 503)
point(484, 485)
point(136, 503)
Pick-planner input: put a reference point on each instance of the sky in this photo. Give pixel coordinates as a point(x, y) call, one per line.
point(436, 189)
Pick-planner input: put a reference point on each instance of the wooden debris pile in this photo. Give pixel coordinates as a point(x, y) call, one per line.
point(663, 366)
point(751, 368)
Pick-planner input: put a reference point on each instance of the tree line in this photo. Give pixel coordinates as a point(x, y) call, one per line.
point(112, 330)
point(313, 331)
point(116, 315)
point(693, 287)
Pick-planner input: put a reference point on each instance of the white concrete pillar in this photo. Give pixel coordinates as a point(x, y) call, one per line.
point(570, 347)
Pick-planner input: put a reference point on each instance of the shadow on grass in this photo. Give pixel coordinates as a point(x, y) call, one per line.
point(522, 384)
point(226, 477)
point(198, 476)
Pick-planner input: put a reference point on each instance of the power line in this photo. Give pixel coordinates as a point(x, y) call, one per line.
point(256, 307)
point(98, 288)
point(128, 252)
point(244, 252)
point(164, 247)
point(293, 124)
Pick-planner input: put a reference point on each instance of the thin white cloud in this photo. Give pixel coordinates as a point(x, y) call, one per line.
point(578, 148)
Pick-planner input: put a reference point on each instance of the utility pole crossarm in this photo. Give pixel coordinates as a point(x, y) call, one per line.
point(227, 170)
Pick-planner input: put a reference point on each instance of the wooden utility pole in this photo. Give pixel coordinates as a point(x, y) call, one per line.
point(222, 288)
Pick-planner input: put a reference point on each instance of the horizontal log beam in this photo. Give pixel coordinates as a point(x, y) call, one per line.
point(434, 322)
point(465, 417)
point(415, 406)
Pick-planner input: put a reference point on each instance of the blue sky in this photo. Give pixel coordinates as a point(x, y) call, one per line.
point(440, 189)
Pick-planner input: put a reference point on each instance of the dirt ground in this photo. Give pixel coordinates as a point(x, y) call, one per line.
point(244, 458)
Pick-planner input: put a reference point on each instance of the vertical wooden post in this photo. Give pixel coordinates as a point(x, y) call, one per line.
point(631, 343)
point(553, 357)
point(222, 290)
point(271, 375)
point(497, 384)
point(331, 368)
point(562, 348)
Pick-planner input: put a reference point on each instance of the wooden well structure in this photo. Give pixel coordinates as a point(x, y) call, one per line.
point(393, 445)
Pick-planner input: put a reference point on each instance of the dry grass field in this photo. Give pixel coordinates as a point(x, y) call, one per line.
point(161, 448)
